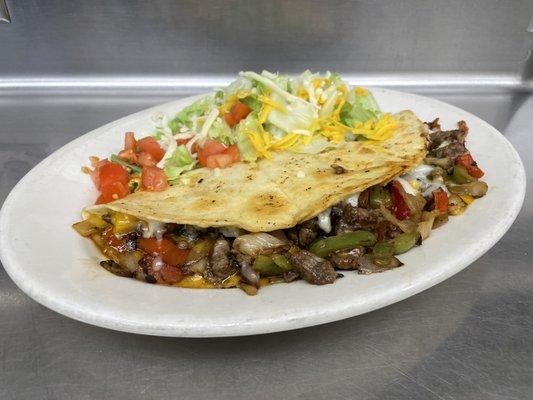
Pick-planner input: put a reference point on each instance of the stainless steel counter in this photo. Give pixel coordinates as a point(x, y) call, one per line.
point(468, 338)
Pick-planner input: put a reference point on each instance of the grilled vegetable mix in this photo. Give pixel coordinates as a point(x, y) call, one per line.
point(365, 236)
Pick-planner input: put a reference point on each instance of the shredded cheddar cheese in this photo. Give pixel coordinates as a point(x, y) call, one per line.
point(272, 103)
point(314, 91)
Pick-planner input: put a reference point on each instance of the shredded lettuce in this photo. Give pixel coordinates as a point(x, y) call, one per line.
point(359, 107)
point(300, 114)
point(302, 81)
point(285, 106)
point(220, 131)
point(259, 88)
point(335, 78)
point(317, 145)
point(246, 149)
point(331, 94)
point(252, 102)
point(188, 115)
point(180, 161)
point(276, 132)
point(282, 81)
point(241, 84)
point(157, 135)
point(219, 97)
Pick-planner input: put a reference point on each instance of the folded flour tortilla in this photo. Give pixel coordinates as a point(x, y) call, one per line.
point(283, 191)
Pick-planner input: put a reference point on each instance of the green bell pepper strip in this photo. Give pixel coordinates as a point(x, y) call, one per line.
point(380, 196)
point(266, 266)
point(405, 242)
point(460, 175)
point(382, 253)
point(282, 262)
point(323, 247)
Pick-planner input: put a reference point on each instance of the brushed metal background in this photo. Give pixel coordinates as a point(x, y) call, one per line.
point(67, 67)
point(160, 37)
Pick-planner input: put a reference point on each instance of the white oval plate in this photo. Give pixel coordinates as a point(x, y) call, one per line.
point(58, 268)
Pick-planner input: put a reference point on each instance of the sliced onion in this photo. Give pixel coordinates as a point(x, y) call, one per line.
point(130, 260)
point(280, 235)
point(85, 228)
point(416, 204)
point(474, 189)
point(425, 226)
point(198, 266)
point(444, 163)
point(253, 244)
point(367, 266)
point(249, 274)
point(405, 226)
point(231, 231)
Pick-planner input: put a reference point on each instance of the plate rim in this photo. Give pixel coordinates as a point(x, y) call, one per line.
point(9, 261)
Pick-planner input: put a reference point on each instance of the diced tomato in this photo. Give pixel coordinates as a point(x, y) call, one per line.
point(129, 141)
point(95, 175)
point(219, 161)
point(171, 274)
point(466, 160)
point(230, 120)
point(128, 155)
point(233, 151)
point(210, 148)
point(150, 145)
point(224, 156)
point(154, 246)
point(153, 179)
point(399, 204)
point(179, 142)
point(111, 173)
point(113, 191)
point(238, 112)
point(441, 200)
point(111, 179)
point(175, 256)
point(165, 248)
point(145, 159)
point(107, 172)
point(100, 200)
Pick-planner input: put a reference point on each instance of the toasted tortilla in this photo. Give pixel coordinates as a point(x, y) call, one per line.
point(284, 191)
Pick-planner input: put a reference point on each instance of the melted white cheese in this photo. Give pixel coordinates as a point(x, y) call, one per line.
point(421, 172)
point(324, 220)
point(153, 229)
point(157, 263)
point(406, 186)
point(230, 231)
point(420, 177)
point(353, 200)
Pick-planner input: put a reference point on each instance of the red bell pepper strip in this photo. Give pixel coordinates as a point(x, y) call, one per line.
point(466, 161)
point(399, 204)
point(441, 200)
